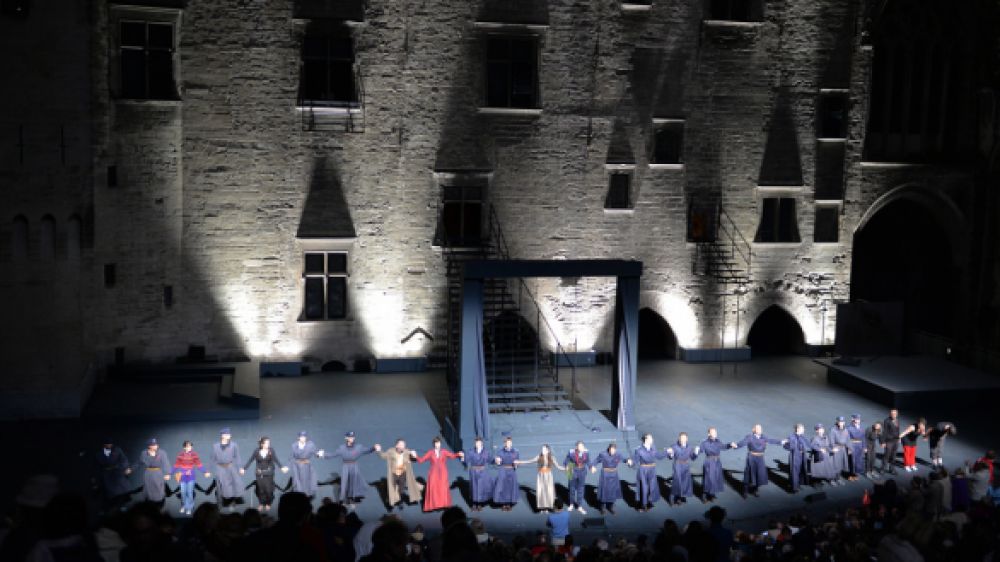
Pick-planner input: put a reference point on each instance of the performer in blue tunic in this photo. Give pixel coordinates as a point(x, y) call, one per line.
point(856, 433)
point(645, 457)
point(480, 479)
point(609, 486)
point(682, 454)
point(840, 440)
point(822, 466)
point(506, 491)
point(712, 481)
point(303, 476)
point(755, 471)
point(155, 470)
point(111, 477)
point(227, 462)
point(352, 485)
point(799, 448)
point(578, 462)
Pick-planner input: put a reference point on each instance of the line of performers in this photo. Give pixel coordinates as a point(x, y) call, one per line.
point(845, 452)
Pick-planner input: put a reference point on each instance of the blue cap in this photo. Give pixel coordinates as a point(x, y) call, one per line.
point(303, 434)
point(225, 431)
point(818, 426)
point(349, 434)
point(152, 441)
point(856, 417)
point(505, 434)
point(840, 418)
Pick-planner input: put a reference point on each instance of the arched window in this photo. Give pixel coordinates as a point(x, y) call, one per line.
point(47, 238)
point(74, 238)
point(19, 239)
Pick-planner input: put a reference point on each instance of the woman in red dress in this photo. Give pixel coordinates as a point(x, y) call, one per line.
point(436, 494)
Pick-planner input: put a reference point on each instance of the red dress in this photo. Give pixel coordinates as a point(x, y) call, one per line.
point(436, 494)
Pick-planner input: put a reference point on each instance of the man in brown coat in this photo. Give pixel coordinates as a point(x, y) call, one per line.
point(399, 474)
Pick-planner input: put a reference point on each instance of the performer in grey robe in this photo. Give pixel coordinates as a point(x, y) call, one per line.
point(227, 461)
point(799, 449)
point(111, 477)
point(647, 487)
point(352, 485)
point(841, 441)
point(857, 447)
point(822, 466)
point(303, 476)
point(712, 481)
point(155, 469)
point(480, 480)
point(755, 469)
point(682, 454)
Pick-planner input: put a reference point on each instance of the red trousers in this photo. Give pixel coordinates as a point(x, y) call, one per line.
point(909, 455)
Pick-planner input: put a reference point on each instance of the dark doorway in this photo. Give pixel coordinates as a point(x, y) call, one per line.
point(656, 338)
point(775, 332)
point(903, 254)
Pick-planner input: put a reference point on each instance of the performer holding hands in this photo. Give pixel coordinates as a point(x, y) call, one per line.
point(505, 493)
point(352, 485)
point(798, 447)
point(755, 471)
point(480, 480)
point(265, 460)
point(609, 487)
point(437, 494)
point(712, 480)
point(303, 476)
point(155, 470)
point(646, 456)
point(577, 461)
point(682, 455)
point(545, 488)
point(184, 471)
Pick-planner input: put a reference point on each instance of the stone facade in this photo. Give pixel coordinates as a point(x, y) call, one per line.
point(220, 192)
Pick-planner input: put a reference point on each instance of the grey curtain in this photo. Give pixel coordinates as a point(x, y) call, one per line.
point(474, 407)
point(480, 398)
point(626, 353)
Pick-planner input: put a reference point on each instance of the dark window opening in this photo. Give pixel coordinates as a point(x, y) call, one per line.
point(19, 239)
point(827, 226)
point(512, 72)
point(146, 53)
point(110, 275)
point(325, 286)
point(112, 176)
point(778, 222)
point(462, 216)
point(15, 8)
point(619, 185)
point(832, 117)
point(731, 10)
point(168, 296)
point(668, 144)
point(328, 74)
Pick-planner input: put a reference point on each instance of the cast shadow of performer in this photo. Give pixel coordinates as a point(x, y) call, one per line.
point(779, 476)
point(629, 495)
point(665, 484)
point(530, 497)
point(464, 488)
point(735, 483)
point(590, 496)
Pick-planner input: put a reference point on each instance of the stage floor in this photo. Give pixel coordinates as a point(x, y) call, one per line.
point(671, 397)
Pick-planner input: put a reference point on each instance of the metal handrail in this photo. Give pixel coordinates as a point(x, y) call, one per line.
point(729, 228)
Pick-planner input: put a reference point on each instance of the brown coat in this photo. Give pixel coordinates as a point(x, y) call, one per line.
point(414, 488)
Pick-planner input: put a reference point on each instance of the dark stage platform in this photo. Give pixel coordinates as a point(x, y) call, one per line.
point(912, 382)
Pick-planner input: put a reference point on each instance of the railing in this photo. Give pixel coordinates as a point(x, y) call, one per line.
point(740, 246)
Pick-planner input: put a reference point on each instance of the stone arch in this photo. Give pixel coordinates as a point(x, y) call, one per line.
point(776, 331)
point(47, 238)
point(19, 238)
point(656, 337)
point(949, 216)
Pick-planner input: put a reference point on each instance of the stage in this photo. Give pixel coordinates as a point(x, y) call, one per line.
point(671, 397)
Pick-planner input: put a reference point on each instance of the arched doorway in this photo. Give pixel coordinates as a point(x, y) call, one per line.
point(775, 332)
point(904, 254)
point(656, 338)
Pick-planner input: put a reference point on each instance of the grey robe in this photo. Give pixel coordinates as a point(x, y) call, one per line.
point(153, 469)
point(303, 476)
point(227, 470)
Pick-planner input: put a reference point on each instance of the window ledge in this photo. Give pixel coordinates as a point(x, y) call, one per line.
point(320, 321)
point(829, 202)
point(150, 102)
point(831, 139)
point(511, 26)
point(661, 166)
point(878, 164)
point(329, 109)
point(619, 165)
point(733, 23)
point(636, 7)
point(441, 248)
point(303, 20)
point(780, 188)
point(523, 111)
point(778, 245)
point(828, 244)
point(608, 211)
point(664, 120)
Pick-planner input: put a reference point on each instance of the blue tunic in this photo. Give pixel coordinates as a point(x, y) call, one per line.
point(506, 490)
point(480, 479)
point(227, 464)
point(111, 470)
point(300, 464)
point(857, 435)
point(798, 448)
point(681, 485)
point(579, 463)
point(645, 478)
point(609, 487)
point(822, 462)
point(841, 441)
point(352, 485)
point(755, 471)
point(712, 479)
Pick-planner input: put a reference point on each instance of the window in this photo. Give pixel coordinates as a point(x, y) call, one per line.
point(778, 222)
point(512, 72)
point(328, 76)
point(110, 275)
point(619, 190)
point(47, 238)
point(832, 116)
point(74, 238)
point(829, 177)
point(827, 228)
point(325, 285)
point(731, 10)
point(112, 176)
point(19, 239)
point(668, 142)
point(168, 296)
point(462, 216)
point(146, 60)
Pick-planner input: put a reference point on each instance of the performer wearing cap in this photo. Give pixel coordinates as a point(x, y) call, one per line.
point(303, 476)
point(266, 460)
point(480, 480)
point(609, 487)
point(873, 441)
point(681, 485)
point(712, 481)
point(822, 467)
point(155, 470)
point(840, 440)
point(578, 462)
point(184, 471)
point(856, 433)
point(798, 447)
point(645, 456)
point(755, 471)
point(506, 492)
point(352, 485)
point(112, 474)
point(437, 494)
point(227, 461)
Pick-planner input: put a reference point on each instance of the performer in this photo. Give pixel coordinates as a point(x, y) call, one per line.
point(890, 441)
point(438, 495)
point(712, 481)
point(755, 472)
point(936, 436)
point(112, 475)
point(480, 480)
point(823, 467)
point(506, 492)
point(841, 440)
point(909, 438)
point(645, 456)
point(266, 460)
point(399, 475)
point(155, 470)
point(227, 460)
point(184, 471)
point(798, 447)
point(545, 488)
point(304, 478)
point(352, 485)
point(609, 487)
point(873, 442)
point(577, 462)
point(682, 454)
point(857, 444)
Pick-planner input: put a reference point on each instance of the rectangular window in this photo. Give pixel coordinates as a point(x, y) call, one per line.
point(832, 116)
point(778, 221)
point(619, 191)
point(110, 275)
point(827, 228)
point(328, 75)
point(146, 60)
point(668, 143)
point(325, 285)
point(731, 10)
point(512, 72)
point(462, 216)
